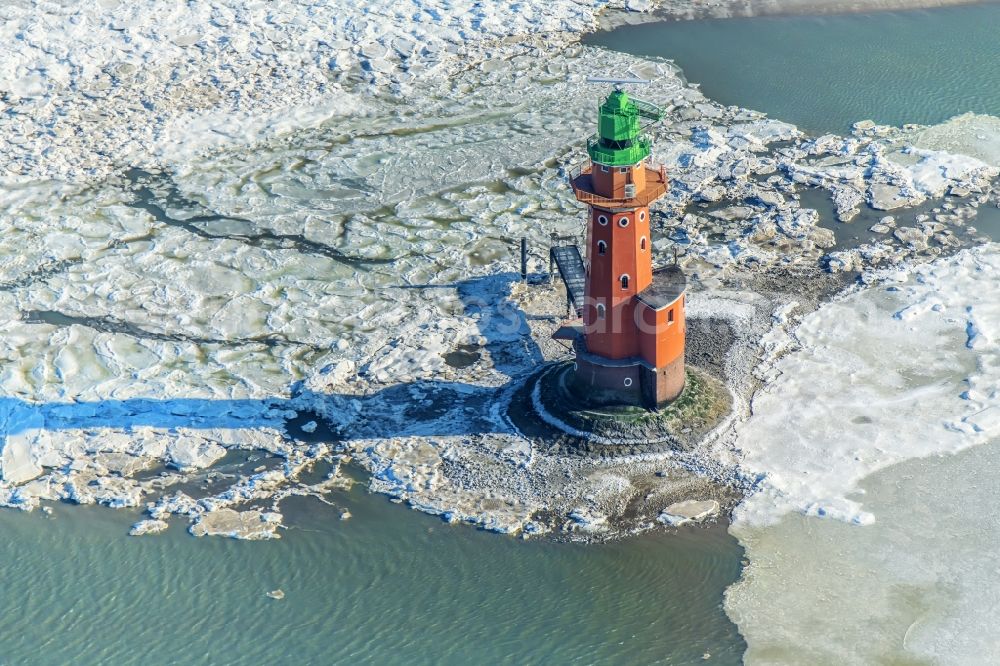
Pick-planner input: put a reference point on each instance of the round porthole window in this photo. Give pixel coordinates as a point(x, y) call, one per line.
point(628, 381)
point(642, 216)
point(623, 222)
point(602, 220)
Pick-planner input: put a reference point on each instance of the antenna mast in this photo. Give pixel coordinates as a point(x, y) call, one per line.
point(616, 81)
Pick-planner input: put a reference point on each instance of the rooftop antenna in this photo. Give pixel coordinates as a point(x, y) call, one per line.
point(617, 82)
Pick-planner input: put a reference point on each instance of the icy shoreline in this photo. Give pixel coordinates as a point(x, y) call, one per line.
point(171, 314)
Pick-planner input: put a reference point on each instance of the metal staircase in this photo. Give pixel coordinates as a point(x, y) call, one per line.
point(570, 264)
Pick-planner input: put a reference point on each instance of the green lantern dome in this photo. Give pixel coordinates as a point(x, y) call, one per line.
point(618, 141)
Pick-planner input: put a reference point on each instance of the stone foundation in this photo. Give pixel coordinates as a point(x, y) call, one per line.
point(549, 411)
point(661, 386)
point(601, 381)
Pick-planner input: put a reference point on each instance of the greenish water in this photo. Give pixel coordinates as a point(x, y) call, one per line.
point(389, 586)
point(824, 73)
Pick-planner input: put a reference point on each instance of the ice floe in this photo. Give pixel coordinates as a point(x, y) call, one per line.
point(104, 82)
point(895, 372)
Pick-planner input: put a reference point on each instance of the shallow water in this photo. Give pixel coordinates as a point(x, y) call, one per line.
point(388, 586)
point(916, 587)
point(825, 73)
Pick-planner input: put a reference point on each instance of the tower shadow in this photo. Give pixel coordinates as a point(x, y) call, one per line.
point(435, 407)
point(418, 408)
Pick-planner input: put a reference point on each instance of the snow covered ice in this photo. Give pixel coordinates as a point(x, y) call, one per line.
point(187, 237)
point(880, 376)
point(93, 85)
point(885, 415)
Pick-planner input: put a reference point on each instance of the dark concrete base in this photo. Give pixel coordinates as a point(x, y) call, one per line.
point(606, 385)
point(663, 385)
point(601, 381)
point(548, 411)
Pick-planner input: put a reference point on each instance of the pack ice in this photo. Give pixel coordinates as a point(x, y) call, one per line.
point(903, 370)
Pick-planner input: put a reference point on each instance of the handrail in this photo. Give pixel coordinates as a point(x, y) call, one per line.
point(587, 167)
point(648, 109)
point(648, 195)
point(595, 140)
point(639, 149)
point(638, 107)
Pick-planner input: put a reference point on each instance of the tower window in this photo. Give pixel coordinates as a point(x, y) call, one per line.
point(624, 280)
point(622, 169)
point(642, 243)
point(623, 222)
point(602, 247)
point(604, 168)
point(642, 216)
point(600, 311)
point(602, 220)
point(670, 316)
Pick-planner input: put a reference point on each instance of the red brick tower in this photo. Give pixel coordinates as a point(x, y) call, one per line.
point(631, 350)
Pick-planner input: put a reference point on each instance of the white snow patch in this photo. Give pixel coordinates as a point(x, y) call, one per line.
point(881, 376)
point(688, 511)
point(936, 170)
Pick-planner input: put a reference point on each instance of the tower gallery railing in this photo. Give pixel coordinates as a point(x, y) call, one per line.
point(625, 153)
point(582, 184)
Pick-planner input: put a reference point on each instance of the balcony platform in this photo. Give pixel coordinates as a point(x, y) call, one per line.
point(581, 180)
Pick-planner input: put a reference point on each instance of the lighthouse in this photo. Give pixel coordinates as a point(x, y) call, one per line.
point(630, 346)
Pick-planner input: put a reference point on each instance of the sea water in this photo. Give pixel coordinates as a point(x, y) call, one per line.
point(825, 73)
point(387, 586)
